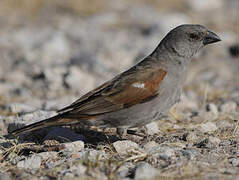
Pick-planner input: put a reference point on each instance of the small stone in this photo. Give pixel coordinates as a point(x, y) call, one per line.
point(92, 155)
point(125, 170)
point(48, 155)
point(80, 80)
point(190, 153)
point(208, 127)
point(228, 107)
point(211, 112)
point(214, 140)
point(123, 147)
point(4, 176)
point(78, 170)
point(164, 152)
point(75, 146)
point(151, 144)
point(152, 128)
point(192, 137)
point(145, 171)
point(34, 162)
point(21, 108)
point(235, 162)
point(35, 116)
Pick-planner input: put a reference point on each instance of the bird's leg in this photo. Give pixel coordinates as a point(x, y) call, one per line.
point(136, 133)
point(122, 132)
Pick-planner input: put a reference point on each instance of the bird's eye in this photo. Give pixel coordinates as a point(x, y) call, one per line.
point(193, 36)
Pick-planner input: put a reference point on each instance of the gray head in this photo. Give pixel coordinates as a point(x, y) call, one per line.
point(185, 40)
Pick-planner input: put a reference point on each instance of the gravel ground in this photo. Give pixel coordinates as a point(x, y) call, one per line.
point(52, 52)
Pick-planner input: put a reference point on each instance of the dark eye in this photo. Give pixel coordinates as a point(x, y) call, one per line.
point(193, 36)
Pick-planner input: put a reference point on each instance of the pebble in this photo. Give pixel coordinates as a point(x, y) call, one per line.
point(214, 140)
point(33, 162)
point(228, 107)
point(4, 176)
point(48, 155)
point(75, 146)
point(162, 152)
point(145, 171)
point(149, 145)
point(235, 162)
point(208, 127)
point(152, 128)
point(21, 108)
point(211, 112)
point(123, 147)
point(192, 137)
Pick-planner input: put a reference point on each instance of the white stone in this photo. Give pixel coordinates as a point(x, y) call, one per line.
point(229, 107)
point(74, 146)
point(145, 171)
point(34, 162)
point(152, 128)
point(150, 145)
point(214, 140)
point(123, 147)
point(208, 127)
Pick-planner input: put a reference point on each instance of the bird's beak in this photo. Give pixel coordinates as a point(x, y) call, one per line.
point(210, 38)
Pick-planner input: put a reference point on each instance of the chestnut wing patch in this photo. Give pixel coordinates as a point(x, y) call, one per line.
point(122, 92)
point(140, 91)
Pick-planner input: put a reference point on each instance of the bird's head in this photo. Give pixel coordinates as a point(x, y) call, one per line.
point(185, 40)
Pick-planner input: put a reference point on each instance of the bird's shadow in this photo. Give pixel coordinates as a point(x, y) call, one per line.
point(63, 135)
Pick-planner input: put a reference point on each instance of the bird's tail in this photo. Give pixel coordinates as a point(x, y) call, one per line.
point(57, 120)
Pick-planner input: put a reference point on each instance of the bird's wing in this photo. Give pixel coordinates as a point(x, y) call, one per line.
point(129, 88)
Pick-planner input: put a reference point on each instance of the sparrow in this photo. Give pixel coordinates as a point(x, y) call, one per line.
point(143, 93)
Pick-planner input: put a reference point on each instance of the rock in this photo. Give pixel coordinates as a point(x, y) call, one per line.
point(190, 153)
point(4, 176)
point(80, 80)
point(211, 112)
point(234, 50)
point(56, 50)
point(123, 147)
point(203, 5)
point(228, 107)
point(34, 162)
point(152, 128)
point(214, 140)
point(48, 155)
point(208, 127)
point(145, 171)
point(63, 135)
point(125, 170)
point(149, 145)
point(75, 146)
point(78, 170)
point(35, 116)
point(192, 137)
point(164, 152)
point(235, 162)
point(21, 108)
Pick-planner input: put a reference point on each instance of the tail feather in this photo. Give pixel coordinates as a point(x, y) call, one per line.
point(57, 120)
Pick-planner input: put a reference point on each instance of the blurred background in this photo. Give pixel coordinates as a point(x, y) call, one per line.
point(51, 52)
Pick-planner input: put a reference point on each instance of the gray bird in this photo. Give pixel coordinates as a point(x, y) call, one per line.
point(142, 94)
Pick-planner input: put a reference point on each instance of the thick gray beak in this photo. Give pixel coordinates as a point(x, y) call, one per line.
point(210, 38)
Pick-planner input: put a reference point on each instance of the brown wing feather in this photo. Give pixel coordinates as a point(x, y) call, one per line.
point(119, 93)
